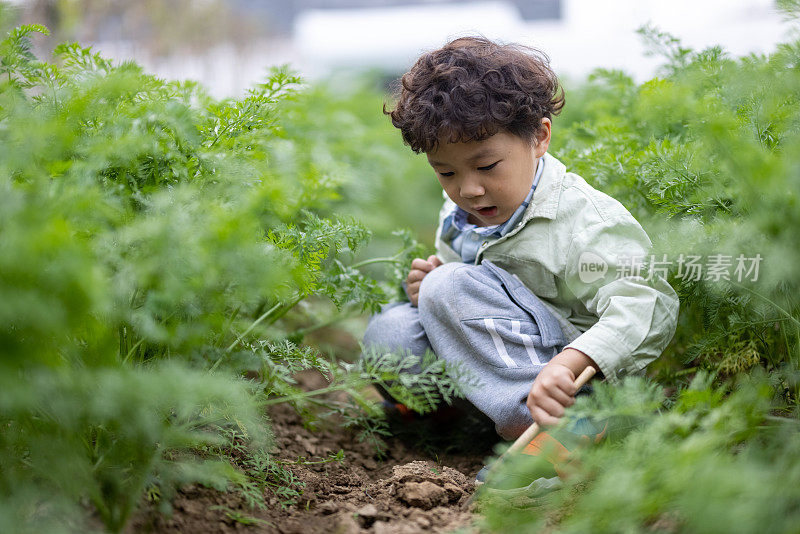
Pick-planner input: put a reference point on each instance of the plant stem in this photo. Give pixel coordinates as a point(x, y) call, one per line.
point(130, 352)
point(285, 308)
point(276, 312)
point(303, 331)
point(303, 461)
point(228, 324)
point(250, 328)
point(756, 293)
point(387, 259)
point(303, 394)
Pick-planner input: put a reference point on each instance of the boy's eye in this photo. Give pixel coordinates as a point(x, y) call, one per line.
point(489, 167)
point(446, 173)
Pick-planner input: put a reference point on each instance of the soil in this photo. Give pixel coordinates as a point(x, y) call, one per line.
point(422, 485)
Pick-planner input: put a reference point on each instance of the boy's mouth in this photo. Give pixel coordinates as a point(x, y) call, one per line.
point(489, 211)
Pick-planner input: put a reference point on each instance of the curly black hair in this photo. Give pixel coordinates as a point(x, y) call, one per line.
point(472, 88)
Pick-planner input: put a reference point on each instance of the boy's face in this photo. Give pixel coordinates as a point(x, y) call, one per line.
point(489, 179)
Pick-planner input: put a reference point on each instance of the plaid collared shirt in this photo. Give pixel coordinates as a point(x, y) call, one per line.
point(467, 238)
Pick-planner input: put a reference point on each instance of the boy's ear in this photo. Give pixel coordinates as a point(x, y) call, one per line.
point(542, 138)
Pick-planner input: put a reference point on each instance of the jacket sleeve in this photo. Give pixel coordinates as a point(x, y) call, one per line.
point(637, 312)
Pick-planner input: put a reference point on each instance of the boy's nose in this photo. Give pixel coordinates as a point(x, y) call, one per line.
point(471, 189)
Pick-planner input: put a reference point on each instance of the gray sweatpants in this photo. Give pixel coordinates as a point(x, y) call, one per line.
point(486, 321)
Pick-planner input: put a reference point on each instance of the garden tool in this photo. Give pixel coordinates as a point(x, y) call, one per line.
point(550, 449)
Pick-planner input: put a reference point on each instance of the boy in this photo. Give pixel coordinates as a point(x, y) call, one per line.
point(533, 278)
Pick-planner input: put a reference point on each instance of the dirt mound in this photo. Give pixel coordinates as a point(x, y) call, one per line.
point(406, 492)
point(419, 495)
point(421, 485)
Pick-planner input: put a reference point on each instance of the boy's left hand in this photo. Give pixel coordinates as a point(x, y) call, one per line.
point(554, 391)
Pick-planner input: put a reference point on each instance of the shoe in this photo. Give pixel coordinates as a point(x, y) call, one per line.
point(546, 456)
point(399, 410)
point(444, 414)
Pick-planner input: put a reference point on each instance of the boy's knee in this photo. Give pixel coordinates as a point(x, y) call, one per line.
point(394, 328)
point(510, 426)
point(440, 284)
point(381, 327)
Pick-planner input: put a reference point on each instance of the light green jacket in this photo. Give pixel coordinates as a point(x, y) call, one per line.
point(575, 248)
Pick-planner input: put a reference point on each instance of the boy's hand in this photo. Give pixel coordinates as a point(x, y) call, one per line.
point(554, 390)
point(419, 269)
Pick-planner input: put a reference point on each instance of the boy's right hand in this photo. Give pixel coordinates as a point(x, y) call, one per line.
point(419, 269)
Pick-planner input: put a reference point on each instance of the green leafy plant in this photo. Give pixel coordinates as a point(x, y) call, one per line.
point(712, 459)
point(156, 246)
point(705, 155)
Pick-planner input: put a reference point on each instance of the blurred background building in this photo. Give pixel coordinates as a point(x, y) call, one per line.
point(228, 44)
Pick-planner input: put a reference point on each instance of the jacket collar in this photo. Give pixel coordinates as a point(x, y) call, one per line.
point(545, 199)
point(544, 202)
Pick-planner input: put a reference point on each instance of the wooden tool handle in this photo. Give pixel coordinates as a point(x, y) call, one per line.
point(532, 430)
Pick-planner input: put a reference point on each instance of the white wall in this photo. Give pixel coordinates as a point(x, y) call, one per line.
point(592, 33)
